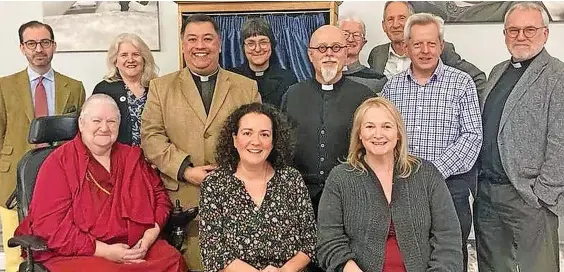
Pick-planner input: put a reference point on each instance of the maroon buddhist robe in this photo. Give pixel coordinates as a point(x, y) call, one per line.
point(76, 201)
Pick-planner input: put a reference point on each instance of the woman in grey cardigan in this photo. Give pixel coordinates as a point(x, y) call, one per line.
point(385, 210)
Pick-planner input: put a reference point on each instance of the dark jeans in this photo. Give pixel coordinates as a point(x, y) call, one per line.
point(460, 192)
point(511, 235)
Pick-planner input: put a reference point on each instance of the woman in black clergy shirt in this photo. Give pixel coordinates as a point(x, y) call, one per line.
point(385, 210)
point(261, 63)
point(255, 210)
point(131, 66)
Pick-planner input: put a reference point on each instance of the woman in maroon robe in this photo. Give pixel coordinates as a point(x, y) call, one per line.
point(98, 204)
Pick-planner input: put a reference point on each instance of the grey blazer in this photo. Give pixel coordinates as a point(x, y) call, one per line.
point(531, 132)
point(379, 57)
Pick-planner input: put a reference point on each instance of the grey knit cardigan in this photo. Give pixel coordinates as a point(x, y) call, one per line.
point(354, 218)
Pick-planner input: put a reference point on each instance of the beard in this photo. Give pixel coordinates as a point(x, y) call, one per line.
point(522, 55)
point(328, 73)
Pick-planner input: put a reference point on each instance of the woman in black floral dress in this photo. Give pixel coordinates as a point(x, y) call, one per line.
point(131, 67)
point(255, 210)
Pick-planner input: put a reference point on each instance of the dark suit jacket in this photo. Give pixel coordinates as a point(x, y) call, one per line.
point(117, 90)
point(531, 131)
point(379, 57)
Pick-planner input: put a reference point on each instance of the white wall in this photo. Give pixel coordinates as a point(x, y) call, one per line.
point(482, 44)
point(89, 67)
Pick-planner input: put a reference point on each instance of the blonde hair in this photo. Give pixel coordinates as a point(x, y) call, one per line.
point(405, 163)
point(150, 69)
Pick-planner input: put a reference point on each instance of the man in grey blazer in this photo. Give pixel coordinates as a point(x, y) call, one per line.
point(521, 180)
point(390, 58)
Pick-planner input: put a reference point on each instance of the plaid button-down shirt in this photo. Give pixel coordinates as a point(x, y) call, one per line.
point(442, 117)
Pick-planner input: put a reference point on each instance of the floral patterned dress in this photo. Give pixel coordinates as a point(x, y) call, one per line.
point(233, 227)
point(135, 106)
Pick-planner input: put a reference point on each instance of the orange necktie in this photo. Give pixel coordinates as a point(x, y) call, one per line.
point(40, 99)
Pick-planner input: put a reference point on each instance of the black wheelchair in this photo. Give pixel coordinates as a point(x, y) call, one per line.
point(52, 130)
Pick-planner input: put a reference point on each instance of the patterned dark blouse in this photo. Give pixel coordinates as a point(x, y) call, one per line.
point(136, 105)
point(233, 227)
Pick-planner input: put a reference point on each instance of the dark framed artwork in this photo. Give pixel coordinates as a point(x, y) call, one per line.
point(85, 26)
point(481, 11)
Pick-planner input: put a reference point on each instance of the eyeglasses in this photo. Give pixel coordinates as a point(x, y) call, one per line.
point(336, 48)
point(263, 44)
point(357, 36)
point(528, 32)
point(45, 43)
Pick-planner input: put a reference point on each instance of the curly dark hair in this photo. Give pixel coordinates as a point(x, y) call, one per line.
point(283, 140)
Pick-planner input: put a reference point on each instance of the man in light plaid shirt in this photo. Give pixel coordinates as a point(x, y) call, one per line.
point(440, 108)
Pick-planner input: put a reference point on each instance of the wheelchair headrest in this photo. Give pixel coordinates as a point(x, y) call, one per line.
point(50, 129)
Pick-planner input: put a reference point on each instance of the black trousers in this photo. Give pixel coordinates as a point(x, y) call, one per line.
point(459, 187)
point(511, 235)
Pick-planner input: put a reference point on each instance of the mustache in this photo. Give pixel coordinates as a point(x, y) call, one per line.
point(329, 59)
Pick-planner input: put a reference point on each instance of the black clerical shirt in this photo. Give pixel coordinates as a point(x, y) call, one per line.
point(491, 166)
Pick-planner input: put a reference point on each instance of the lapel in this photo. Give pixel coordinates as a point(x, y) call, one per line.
point(523, 85)
point(382, 57)
point(22, 90)
point(222, 86)
point(188, 87)
point(62, 93)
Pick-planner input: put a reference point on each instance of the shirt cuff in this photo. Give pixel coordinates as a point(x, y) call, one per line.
point(185, 164)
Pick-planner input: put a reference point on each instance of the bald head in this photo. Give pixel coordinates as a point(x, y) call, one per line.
point(327, 34)
point(328, 52)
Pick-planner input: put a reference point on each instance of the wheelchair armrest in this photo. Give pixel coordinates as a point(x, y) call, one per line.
point(28, 241)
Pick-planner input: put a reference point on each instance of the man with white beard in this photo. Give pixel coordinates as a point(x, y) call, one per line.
point(322, 109)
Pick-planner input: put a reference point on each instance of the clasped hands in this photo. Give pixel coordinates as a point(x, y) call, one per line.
point(122, 253)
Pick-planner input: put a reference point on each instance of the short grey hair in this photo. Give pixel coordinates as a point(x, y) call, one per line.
point(409, 8)
point(353, 19)
point(528, 6)
point(98, 99)
point(424, 19)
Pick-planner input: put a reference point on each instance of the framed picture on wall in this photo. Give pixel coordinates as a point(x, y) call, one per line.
point(85, 26)
point(481, 11)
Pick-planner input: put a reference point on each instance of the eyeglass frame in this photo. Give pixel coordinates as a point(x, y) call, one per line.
point(40, 43)
point(354, 35)
point(506, 31)
point(322, 51)
point(262, 44)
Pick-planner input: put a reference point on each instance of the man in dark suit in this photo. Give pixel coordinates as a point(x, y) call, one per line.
point(34, 92)
point(521, 180)
point(390, 58)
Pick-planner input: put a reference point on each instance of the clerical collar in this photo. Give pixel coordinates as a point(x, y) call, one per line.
point(330, 87)
point(345, 68)
point(326, 87)
point(525, 63)
point(261, 73)
point(205, 78)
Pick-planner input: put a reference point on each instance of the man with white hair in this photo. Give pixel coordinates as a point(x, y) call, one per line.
point(521, 178)
point(440, 108)
point(355, 33)
point(322, 109)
